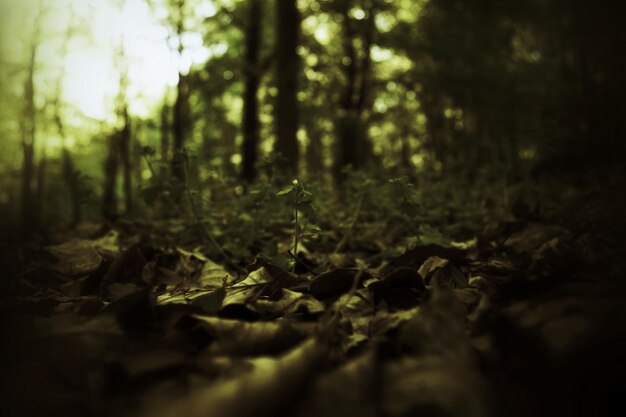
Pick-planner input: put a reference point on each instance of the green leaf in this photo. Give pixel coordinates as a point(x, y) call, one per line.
point(285, 191)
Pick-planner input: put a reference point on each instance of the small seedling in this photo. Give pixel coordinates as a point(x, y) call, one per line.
point(300, 200)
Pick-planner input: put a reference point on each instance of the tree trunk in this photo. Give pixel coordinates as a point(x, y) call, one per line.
point(287, 72)
point(364, 103)
point(353, 145)
point(181, 107)
point(28, 131)
point(125, 138)
point(251, 101)
point(111, 165)
point(179, 130)
point(70, 175)
point(68, 170)
point(41, 190)
point(166, 129)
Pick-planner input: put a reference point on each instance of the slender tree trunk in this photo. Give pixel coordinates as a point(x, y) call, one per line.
point(41, 189)
point(363, 103)
point(166, 129)
point(180, 110)
point(70, 175)
point(125, 138)
point(251, 100)
point(353, 146)
point(179, 130)
point(69, 172)
point(287, 72)
point(111, 165)
point(28, 131)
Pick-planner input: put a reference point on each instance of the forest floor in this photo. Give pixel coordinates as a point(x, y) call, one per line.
point(526, 319)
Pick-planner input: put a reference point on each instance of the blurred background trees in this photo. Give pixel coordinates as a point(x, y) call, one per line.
point(181, 94)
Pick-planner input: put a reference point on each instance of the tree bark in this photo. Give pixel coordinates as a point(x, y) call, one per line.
point(111, 165)
point(287, 72)
point(71, 177)
point(41, 189)
point(353, 149)
point(166, 130)
point(180, 110)
point(125, 138)
point(179, 130)
point(251, 101)
point(28, 132)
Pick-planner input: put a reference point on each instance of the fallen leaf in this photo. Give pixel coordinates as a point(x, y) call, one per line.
point(75, 258)
point(335, 282)
point(439, 272)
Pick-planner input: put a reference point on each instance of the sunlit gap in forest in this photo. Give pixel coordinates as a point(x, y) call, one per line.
point(86, 43)
point(95, 61)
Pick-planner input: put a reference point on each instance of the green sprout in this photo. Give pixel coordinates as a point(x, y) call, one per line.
point(300, 200)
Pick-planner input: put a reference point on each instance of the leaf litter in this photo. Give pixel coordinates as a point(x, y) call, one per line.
point(166, 331)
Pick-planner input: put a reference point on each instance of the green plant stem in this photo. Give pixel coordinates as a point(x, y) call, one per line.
point(296, 234)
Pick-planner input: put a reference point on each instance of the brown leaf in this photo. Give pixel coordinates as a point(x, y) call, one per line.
point(75, 258)
point(439, 272)
point(335, 282)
